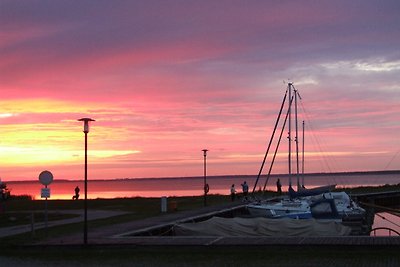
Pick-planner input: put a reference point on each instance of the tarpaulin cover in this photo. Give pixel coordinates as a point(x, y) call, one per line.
point(259, 226)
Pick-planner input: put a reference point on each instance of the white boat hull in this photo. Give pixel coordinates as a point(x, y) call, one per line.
point(337, 205)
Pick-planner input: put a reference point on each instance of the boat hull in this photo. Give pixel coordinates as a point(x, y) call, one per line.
point(274, 213)
point(284, 208)
point(333, 206)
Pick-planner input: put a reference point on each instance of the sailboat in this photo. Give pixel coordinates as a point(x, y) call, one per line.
point(317, 203)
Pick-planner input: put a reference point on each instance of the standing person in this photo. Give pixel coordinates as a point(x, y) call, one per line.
point(77, 190)
point(233, 192)
point(279, 186)
point(245, 189)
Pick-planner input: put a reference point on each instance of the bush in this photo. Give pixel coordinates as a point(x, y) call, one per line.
point(21, 197)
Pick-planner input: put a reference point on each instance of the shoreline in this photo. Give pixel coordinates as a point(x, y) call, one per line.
point(351, 173)
point(351, 190)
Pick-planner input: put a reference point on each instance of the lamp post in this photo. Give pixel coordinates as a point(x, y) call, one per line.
point(206, 187)
point(86, 131)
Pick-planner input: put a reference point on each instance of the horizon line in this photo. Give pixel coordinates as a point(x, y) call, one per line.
point(217, 176)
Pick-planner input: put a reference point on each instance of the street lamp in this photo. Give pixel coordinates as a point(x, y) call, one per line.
point(206, 187)
point(86, 131)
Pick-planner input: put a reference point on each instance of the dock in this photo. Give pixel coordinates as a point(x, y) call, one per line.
point(152, 232)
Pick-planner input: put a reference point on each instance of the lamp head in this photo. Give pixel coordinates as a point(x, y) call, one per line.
point(86, 124)
point(205, 152)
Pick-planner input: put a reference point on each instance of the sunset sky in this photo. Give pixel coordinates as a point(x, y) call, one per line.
point(166, 79)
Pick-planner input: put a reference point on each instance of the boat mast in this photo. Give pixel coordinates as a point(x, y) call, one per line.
point(302, 161)
point(290, 135)
point(296, 139)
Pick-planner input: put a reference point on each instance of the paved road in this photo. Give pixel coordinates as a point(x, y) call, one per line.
point(92, 215)
point(116, 234)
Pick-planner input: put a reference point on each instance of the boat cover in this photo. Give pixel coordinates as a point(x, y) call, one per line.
point(217, 226)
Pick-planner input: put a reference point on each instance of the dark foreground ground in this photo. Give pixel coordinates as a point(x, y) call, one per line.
point(51, 249)
point(200, 256)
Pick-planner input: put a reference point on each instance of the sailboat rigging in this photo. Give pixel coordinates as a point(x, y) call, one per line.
point(304, 203)
point(287, 121)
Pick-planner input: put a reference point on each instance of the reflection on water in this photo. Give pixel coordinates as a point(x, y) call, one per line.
point(188, 186)
point(386, 220)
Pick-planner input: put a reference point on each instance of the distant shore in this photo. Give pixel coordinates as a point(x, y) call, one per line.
point(249, 176)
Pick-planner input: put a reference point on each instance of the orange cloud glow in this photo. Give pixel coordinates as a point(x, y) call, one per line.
point(163, 81)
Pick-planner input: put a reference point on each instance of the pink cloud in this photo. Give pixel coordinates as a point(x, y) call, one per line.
point(170, 81)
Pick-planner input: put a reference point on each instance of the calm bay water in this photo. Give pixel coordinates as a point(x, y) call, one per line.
point(189, 186)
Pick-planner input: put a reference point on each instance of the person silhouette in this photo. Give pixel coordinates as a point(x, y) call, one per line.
point(233, 192)
point(279, 186)
point(245, 189)
point(77, 190)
